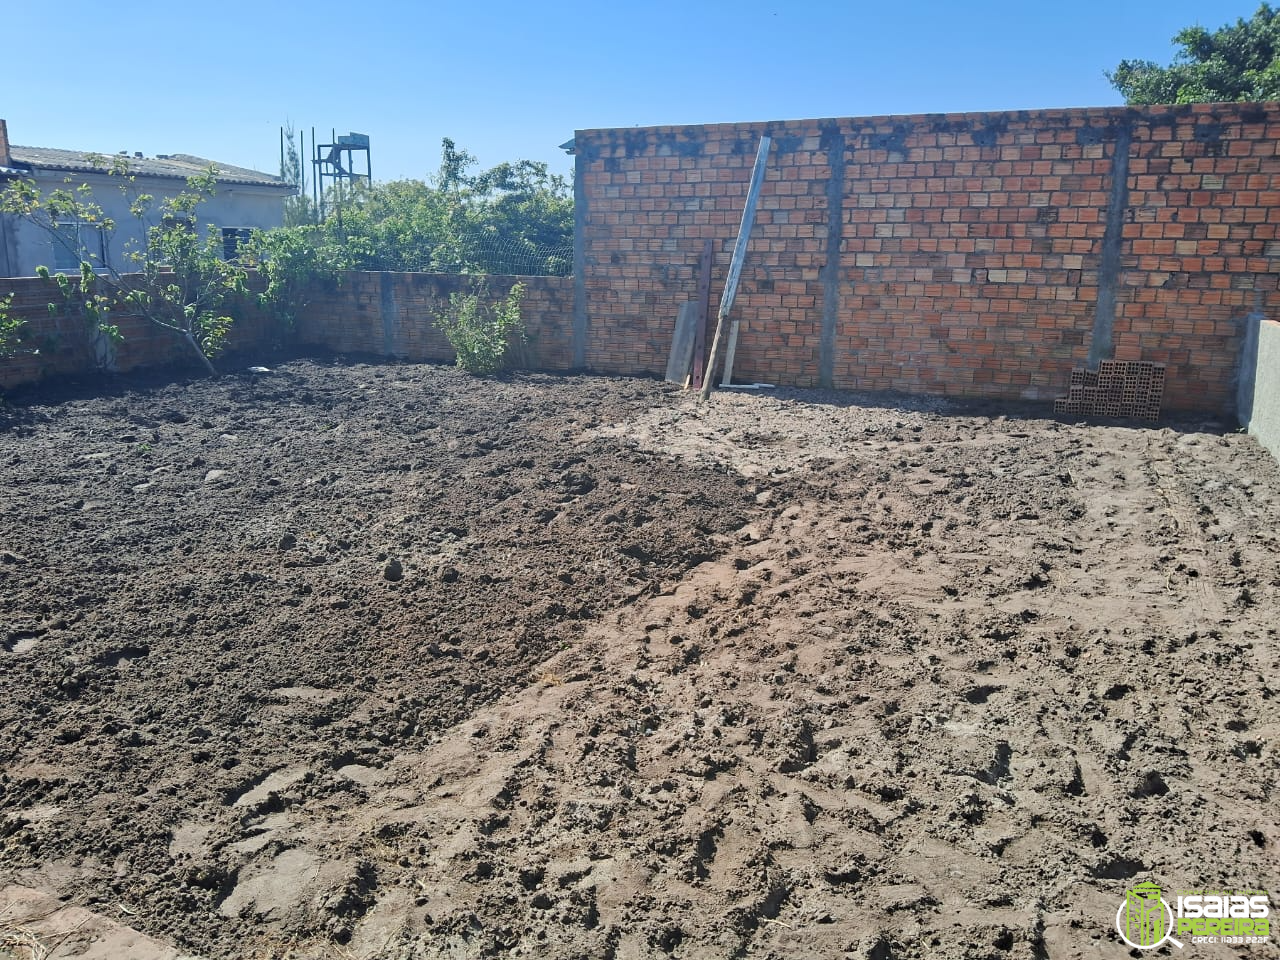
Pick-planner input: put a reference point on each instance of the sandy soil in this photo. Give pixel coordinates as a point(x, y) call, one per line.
point(383, 661)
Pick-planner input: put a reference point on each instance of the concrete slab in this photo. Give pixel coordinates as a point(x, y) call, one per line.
point(1259, 387)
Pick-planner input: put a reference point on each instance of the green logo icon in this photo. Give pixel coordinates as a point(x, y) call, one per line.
point(1144, 920)
point(1144, 915)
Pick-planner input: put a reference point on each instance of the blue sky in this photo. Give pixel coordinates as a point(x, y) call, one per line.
point(511, 81)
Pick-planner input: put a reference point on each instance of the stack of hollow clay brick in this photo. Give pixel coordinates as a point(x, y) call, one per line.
point(1119, 388)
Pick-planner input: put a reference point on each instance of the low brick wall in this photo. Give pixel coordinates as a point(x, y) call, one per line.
point(385, 314)
point(61, 343)
point(983, 254)
point(393, 315)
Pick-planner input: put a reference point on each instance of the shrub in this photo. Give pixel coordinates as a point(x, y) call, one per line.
point(481, 331)
point(297, 263)
point(10, 328)
point(179, 282)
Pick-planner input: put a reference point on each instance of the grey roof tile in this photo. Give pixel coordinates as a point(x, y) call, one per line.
point(178, 165)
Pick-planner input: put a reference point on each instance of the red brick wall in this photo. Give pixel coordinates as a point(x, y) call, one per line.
point(971, 246)
point(970, 254)
point(58, 343)
point(393, 315)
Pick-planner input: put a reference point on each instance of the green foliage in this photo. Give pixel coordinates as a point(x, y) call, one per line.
point(402, 225)
point(10, 328)
point(178, 279)
point(1239, 61)
point(481, 331)
point(83, 298)
point(514, 218)
point(185, 282)
point(298, 208)
point(295, 262)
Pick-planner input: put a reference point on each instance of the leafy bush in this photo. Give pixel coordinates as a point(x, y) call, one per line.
point(481, 331)
point(515, 219)
point(10, 328)
point(297, 263)
point(178, 278)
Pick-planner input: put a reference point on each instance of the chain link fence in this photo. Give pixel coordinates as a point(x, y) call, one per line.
point(480, 254)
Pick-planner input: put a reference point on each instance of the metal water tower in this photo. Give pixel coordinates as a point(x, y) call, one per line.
point(336, 163)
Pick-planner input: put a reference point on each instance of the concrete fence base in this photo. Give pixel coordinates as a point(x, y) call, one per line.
point(1258, 395)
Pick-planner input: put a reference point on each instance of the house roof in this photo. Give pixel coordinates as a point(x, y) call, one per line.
point(178, 166)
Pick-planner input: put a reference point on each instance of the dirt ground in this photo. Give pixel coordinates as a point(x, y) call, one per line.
point(381, 661)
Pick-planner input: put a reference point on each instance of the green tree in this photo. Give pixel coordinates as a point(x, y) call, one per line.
point(296, 263)
point(298, 208)
point(513, 218)
point(1239, 61)
point(400, 225)
point(454, 164)
point(177, 278)
point(525, 213)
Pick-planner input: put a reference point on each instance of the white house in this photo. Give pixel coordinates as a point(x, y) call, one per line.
point(245, 200)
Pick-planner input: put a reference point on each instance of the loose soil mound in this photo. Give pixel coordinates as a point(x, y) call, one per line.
point(384, 661)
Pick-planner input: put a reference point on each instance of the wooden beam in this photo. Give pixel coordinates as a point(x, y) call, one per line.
point(704, 311)
point(682, 343)
point(735, 271)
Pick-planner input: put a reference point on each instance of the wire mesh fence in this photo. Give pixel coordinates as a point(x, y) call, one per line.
point(479, 254)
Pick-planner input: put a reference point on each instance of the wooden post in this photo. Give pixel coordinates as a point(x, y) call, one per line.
point(735, 272)
point(682, 343)
point(704, 311)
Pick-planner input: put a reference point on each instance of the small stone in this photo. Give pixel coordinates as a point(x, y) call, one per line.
point(287, 542)
point(448, 575)
point(214, 475)
point(393, 571)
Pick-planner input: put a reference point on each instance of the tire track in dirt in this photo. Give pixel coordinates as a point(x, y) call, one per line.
point(935, 684)
point(836, 738)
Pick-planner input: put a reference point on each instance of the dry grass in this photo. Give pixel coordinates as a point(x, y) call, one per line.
point(19, 943)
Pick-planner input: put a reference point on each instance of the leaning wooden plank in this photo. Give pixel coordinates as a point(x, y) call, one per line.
point(735, 271)
point(727, 379)
point(682, 342)
point(704, 312)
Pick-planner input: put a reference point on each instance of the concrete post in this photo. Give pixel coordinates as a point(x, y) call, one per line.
point(580, 220)
point(834, 143)
point(1102, 344)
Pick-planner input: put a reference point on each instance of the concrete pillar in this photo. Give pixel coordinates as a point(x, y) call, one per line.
point(1102, 344)
point(580, 220)
point(833, 142)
